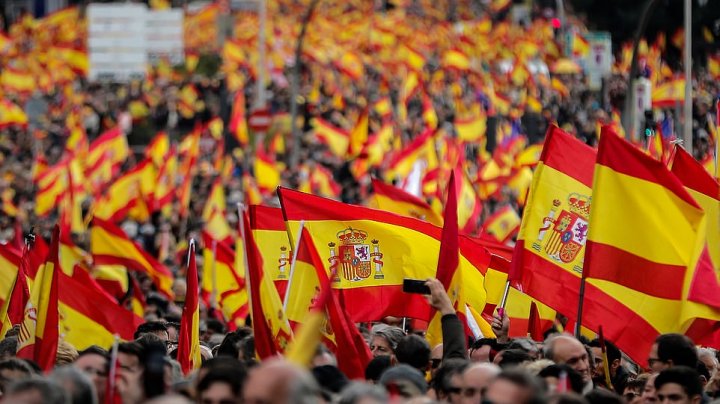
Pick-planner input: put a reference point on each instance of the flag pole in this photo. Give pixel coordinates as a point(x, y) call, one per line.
point(292, 265)
point(581, 300)
point(687, 62)
point(503, 300)
point(243, 231)
point(213, 271)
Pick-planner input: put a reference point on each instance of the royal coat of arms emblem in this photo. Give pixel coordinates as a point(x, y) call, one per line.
point(354, 259)
point(563, 235)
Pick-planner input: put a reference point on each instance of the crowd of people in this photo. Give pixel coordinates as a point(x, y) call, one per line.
point(560, 369)
point(404, 368)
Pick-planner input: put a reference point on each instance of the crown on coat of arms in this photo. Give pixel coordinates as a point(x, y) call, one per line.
point(351, 236)
point(580, 205)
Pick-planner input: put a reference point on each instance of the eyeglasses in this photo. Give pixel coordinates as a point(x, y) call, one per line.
point(435, 363)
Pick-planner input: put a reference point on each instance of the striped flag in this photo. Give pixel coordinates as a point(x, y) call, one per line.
point(188, 353)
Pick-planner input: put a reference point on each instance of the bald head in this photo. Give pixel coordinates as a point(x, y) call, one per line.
point(476, 378)
point(278, 381)
point(568, 350)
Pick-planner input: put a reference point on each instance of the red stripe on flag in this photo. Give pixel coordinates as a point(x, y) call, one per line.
point(266, 218)
point(632, 271)
point(563, 154)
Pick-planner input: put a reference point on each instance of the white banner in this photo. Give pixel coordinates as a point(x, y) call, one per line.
point(164, 33)
point(117, 44)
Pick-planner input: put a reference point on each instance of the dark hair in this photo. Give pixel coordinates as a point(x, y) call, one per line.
point(225, 370)
point(526, 381)
point(150, 327)
point(414, 351)
point(376, 367)
point(17, 364)
point(215, 326)
point(575, 379)
point(603, 396)
point(8, 346)
point(676, 348)
point(76, 384)
point(513, 357)
point(94, 350)
point(330, 378)
point(613, 352)
point(449, 368)
point(131, 348)
point(686, 377)
point(230, 345)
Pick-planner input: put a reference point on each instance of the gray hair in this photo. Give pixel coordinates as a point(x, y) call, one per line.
point(50, 391)
point(76, 383)
point(304, 389)
point(708, 352)
point(392, 334)
point(356, 391)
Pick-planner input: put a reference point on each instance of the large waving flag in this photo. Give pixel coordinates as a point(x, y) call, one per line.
point(326, 317)
point(110, 245)
point(188, 353)
point(223, 281)
point(645, 250)
point(372, 251)
point(706, 191)
point(268, 228)
point(38, 338)
point(270, 324)
point(548, 256)
point(10, 261)
point(395, 200)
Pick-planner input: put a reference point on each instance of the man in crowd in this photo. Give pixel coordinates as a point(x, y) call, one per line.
point(618, 374)
point(567, 349)
point(678, 385)
point(672, 350)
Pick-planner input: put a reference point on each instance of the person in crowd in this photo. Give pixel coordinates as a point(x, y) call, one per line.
point(483, 350)
point(567, 349)
point(672, 350)
point(35, 391)
point(376, 367)
point(8, 348)
point(475, 380)
point(414, 350)
point(76, 384)
point(93, 361)
point(361, 393)
point(618, 374)
point(448, 382)
point(12, 370)
point(156, 328)
point(221, 384)
point(404, 381)
point(514, 387)
point(277, 381)
point(66, 353)
point(384, 339)
point(678, 384)
point(634, 388)
point(555, 374)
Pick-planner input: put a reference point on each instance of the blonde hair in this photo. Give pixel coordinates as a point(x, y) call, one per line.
point(66, 353)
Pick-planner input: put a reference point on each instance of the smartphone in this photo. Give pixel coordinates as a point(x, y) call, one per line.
point(415, 286)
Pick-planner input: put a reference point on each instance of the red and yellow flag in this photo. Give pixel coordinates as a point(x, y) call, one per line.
point(359, 133)
point(128, 195)
point(268, 228)
point(238, 123)
point(110, 245)
point(223, 281)
point(548, 256)
point(266, 171)
point(668, 94)
point(391, 199)
point(38, 337)
point(14, 293)
point(645, 250)
point(214, 212)
point(372, 251)
point(105, 156)
point(270, 324)
point(326, 317)
point(706, 191)
point(503, 224)
point(188, 353)
point(336, 139)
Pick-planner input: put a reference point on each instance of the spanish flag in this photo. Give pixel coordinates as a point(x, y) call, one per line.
point(51, 186)
point(106, 154)
point(159, 149)
point(164, 192)
point(238, 123)
point(11, 115)
point(503, 224)
point(668, 94)
point(38, 337)
point(706, 191)
point(471, 129)
point(15, 292)
point(548, 255)
point(421, 148)
point(455, 59)
point(395, 200)
point(223, 281)
point(126, 193)
point(214, 213)
point(372, 251)
point(270, 324)
point(268, 228)
point(188, 351)
point(17, 81)
point(110, 245)
point(645, 250)
point(359, 133)
point(580, 45)
point(469, 203)
point(266, 171)
point(336, 139)
point(326, 317)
